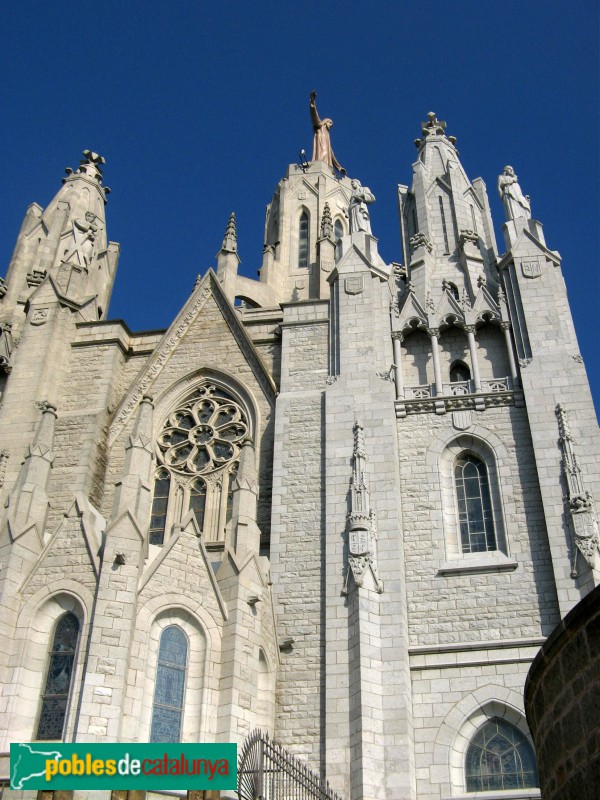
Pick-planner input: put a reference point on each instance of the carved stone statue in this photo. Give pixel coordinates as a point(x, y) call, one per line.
point(516, 204)
point(84, 234)
point(358, 211)
point(322, 150)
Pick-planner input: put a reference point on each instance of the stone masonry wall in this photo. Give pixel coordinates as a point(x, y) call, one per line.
point(297, 530)
point(465, 607)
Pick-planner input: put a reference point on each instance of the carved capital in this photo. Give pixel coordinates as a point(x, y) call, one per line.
point(434, 333)
point(398, 335)
point(506, 326)
point(470, 329)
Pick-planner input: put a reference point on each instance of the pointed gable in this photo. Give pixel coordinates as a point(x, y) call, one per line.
point(207, 333)
point(183, 567)
point(73, 549)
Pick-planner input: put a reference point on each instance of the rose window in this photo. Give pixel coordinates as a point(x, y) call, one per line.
point(204, 433)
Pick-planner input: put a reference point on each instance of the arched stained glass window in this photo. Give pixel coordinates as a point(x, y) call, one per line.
point(303, 240)
point(198, 501)
point(500, 757)
point(474, 505)
point(160, 502)
point(169, 690)
point(61, 662)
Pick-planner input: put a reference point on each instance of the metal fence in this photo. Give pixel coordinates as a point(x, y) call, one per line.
point(267, 771)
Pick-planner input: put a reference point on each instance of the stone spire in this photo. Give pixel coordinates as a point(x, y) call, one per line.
point(447, 226)
point(230, 239)
point(228, 260)
point(67, 241)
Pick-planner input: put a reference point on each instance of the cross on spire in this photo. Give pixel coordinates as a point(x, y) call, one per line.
point(433, 126)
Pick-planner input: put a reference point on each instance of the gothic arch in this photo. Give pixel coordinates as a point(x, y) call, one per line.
point(302, 225)
point(206, 404)
point(265, 694)
point(461, 724)
point(440, 459)
point(34, 630)
point(201, 692)
point(180, 389)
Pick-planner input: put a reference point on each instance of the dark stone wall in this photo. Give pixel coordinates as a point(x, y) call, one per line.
point(562, 703)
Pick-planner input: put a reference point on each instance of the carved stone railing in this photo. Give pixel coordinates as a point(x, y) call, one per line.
point(458, 395)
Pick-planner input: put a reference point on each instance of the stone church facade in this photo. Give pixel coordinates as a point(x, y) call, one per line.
point(344, 504)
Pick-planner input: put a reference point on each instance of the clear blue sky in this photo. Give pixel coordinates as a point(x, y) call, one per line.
point(199, 106)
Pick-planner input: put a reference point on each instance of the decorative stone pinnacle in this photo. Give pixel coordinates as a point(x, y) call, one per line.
point(90, 166)
point(326, 223)
point(230, 238)
point(433, 126)
point(359, 442)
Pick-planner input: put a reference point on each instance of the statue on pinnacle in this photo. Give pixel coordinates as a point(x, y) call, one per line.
point(322, 150)
point(516, 204)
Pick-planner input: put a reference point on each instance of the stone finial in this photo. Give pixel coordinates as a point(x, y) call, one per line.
point(326, 223)
point(230, 239)
point(90, 166)
point(433, 126)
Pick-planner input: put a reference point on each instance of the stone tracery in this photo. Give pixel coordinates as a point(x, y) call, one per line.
point(204, 433)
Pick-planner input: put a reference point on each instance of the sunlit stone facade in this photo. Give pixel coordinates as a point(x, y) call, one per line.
point(344, 503)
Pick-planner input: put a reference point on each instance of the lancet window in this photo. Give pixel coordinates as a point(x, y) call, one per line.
point(443, 216)
point(499, 757)
point(198, 451)
point(59, 674)
point(303, 243)
point(475, 515)
point(169, 689)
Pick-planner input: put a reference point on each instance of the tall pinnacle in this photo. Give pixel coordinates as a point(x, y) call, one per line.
point(326, 223)
point(230, 239)
point(433, 127)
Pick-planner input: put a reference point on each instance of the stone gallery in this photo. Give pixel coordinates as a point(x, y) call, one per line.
point(341, 506)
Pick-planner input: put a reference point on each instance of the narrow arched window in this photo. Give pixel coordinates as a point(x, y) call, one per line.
point(474, 220)
point(500, 757)
point(169, 690)
point(338, 229)
point(198, 501)
point(474, 505)
point(61, 662)
point(160, 502)
point(303, 240)
point(443, 218)
point(459, 372)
